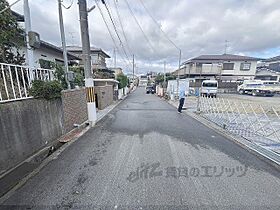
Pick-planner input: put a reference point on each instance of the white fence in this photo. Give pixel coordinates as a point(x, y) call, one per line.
point(15, 80)
point(254, 122)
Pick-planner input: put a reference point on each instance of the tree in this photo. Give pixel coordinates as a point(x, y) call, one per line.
point(123, 80)
point(11, 36)
point(160, 78)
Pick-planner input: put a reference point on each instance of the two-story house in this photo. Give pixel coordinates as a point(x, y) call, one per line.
point(98, 61)
point(226, 67)
point(98, 56)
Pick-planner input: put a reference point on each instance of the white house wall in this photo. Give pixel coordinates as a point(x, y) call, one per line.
point(216, 69)
point(237, 70)
point(43, 53)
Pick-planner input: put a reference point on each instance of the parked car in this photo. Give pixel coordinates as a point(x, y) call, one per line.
point(209, 88)
point(258, 88)
point(150, 89)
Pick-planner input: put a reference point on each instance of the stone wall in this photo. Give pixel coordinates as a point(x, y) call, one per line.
point(74, 108)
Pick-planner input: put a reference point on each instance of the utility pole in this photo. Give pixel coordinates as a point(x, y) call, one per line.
point(30, 56)
point(87, 62)
point(178, 76)
point(226, 46)
point(62, 34)
point(133, 67)
point(115, 58)
point(164, 70)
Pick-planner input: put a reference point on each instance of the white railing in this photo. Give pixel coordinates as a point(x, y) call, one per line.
point(255, 122)
point(15, 80)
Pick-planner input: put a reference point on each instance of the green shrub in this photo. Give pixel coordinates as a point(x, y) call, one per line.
point(46, 89)
point(123, 80)
point(79, 78)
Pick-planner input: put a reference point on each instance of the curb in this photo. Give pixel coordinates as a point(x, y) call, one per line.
point(266, 155)
point(16, 177)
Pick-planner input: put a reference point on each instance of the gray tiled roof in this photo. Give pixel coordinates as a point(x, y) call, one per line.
point(222, 57)
point(78, 49)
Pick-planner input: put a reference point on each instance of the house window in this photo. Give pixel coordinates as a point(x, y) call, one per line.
point(228, 66)
point(245, 66)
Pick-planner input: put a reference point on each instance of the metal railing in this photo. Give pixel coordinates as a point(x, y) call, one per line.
point(256, 122)
point(15, 80)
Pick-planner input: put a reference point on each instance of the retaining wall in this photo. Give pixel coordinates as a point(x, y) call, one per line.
point(27, 126)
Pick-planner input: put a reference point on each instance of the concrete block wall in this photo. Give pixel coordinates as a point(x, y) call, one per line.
point(74, 104)
point(105, 95)
point(27, 126)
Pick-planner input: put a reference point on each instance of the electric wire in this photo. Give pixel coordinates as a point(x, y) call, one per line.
point(3, 10)
point(68, 6)
point(110, 33)
point(115, 28)
point(122, 28)
point(159, 26)
point(140, 27)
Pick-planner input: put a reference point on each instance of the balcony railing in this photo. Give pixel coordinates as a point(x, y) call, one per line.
point(15, 80)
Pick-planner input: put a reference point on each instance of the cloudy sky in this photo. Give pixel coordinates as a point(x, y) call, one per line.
point(195, 26)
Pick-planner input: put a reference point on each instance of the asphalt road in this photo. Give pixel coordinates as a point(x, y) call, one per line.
point(144, 155)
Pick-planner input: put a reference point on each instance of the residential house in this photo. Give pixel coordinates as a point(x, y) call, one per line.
point(264, 73)
point(226, 67)
point(48, 53)
point(273, 63)
point(98, 56)
point(116, 71)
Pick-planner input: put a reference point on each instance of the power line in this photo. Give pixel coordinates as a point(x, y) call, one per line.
point(120, 21)
point(159, 26)
point(110, 33)
point(68, 6)
point(9, 7)
point(115, 28)
point(132, 13)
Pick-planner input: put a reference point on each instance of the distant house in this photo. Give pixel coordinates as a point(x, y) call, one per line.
point(98, 56)
point(264, 73)
point(273, 63)
point(226, 67)
point(116, 71)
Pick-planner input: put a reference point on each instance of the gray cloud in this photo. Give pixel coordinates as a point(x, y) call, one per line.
point(196, 26)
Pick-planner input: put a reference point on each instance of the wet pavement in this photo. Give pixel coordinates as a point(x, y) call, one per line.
point(144, 155)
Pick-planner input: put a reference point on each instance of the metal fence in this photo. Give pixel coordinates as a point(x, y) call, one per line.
point(255, 122)
point(15, 80)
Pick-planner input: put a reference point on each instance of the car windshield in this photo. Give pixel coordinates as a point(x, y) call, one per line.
point(209, 84)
